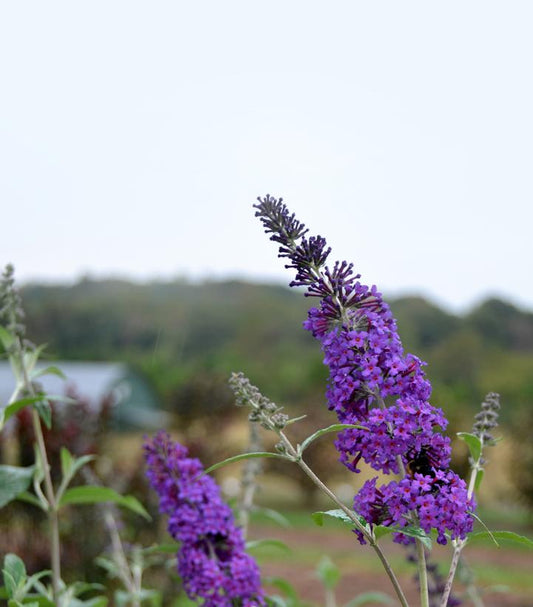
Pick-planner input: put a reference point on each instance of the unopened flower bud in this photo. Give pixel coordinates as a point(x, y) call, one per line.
point(280, 420)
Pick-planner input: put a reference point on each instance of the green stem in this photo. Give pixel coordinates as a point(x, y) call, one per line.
point(55, 547)
point(330, 598)
point(422, 574)
point(421, 556)
point(350, 513)
point(53, 517)
point(249, 485)
point(460, 544)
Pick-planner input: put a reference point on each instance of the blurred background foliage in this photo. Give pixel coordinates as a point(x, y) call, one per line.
point(186, 338)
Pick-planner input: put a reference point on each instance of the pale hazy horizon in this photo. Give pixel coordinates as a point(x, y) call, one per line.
point(135, 137)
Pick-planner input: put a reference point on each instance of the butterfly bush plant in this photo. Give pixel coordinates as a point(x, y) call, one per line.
point(378, 396)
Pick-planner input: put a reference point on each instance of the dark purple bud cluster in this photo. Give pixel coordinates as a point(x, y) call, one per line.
point(373, 383)
point(212, 561)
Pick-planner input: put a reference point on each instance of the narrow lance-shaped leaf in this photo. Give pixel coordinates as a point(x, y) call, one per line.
point(170, 548)
point(14, 574)
point(507, 536)
point(51, 370)
point(318, 517)
point(45, 412)
point(13, 481)
point(415, 532)
point(274, 516)
point(29, 498)
point(238, 458)
point(328, 572)
point(91, 494)
point(266, 543)
point(6, 338)
point(479, 478)
point(14, 407)
point(321, 432)
point(283, 585)
point(487, 530)
point(69, 467)
point(473, 442)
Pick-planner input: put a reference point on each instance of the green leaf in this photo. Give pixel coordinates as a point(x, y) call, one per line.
point(275, 516)
point(13, 482)
point(507, 536)
point(328, 573)
point(30, 358)
point(275, 601)
point(238, 458)
point(16, 406)
point(14, 574)
point(162, 548)
point(382, 530)
point(491, 535)
point(417, 533)
point(6, 338)
point(91, 494)
point(29, 498)
point(79, 588)
point(45, 412)
point(10, 584)
point(295, 419)
point(332, 428)
point(479, 478)
point(474, 444)
point(32, 581)
point(370, 597)
point(283, 585)
point(51, 370)
point(66, 461)
point(255, 544)
point(97, 601)
point(69, 466)
point(318, 517)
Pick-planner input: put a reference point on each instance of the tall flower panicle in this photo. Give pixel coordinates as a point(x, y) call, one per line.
point(212, 561)
point(372, 382)
point(11, 311)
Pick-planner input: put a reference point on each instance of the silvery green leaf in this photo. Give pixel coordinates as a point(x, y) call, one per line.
point(14, 481)
point(92, 494)
point(473, 442)
point(321, 432)
point(238, 458)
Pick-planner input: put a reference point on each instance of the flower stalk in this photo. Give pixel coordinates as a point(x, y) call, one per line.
point(13, 314)
point(270, 417)
point(486, 421)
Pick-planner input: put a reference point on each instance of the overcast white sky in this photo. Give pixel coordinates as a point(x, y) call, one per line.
point(135, 136)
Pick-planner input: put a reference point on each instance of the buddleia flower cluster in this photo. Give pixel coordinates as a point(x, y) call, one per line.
point(212, 561)
point(374, 383)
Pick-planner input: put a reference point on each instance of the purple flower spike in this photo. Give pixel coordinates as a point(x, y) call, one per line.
point(212, 562)
point(372, 382)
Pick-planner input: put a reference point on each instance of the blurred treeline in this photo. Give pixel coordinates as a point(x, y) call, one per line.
point(186, 338)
